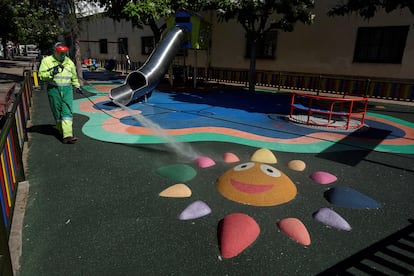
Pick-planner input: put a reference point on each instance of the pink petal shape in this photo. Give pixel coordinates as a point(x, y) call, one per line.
point(237, 232)
point(323, 177)
point(331, 218)
point(204, 162)
point(295, 230)
point(230, 157)
point(197, 209)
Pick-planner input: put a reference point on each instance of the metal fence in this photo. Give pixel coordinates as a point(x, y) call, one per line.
point(391, 89)
point(12, 138)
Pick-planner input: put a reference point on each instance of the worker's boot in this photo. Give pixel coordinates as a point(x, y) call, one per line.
point(67, 131)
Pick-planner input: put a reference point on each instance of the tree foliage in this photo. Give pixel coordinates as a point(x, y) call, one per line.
point(36, 24)
point(258, 16)
point(368, 8)
point(147, 12)
point(29, 22)
point(7, 13)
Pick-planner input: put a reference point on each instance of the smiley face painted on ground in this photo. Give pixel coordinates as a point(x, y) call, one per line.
point(257, 184)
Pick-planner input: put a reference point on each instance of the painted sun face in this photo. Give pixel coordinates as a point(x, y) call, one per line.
point(256, 184)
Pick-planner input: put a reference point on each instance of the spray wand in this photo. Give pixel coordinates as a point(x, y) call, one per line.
point(80, 91)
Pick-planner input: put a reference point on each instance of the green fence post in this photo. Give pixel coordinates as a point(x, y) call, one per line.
point(368, 83)
point(318, 88)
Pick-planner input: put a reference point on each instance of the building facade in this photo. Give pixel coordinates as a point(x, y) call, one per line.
point(382, 47)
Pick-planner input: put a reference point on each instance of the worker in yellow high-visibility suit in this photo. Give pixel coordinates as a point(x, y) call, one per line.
point(59, 73)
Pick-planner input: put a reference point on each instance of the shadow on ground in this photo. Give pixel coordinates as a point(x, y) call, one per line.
point(46, 129)
point(393, 254)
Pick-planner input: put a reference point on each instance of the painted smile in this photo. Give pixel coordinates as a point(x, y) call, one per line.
point(249, 188)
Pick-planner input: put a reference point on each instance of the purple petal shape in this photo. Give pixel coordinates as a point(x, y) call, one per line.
point(197, 209)
point(331, 218)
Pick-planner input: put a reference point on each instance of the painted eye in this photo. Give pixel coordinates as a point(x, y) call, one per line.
point(270, 171)
point(244, 166)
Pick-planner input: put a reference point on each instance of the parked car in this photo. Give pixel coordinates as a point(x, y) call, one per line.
point(30, 50)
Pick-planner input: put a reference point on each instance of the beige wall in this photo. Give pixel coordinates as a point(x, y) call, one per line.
point(326, 47)
point(96, 28)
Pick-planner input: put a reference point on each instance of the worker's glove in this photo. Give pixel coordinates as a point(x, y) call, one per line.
point(55, 70)
point(79, 90)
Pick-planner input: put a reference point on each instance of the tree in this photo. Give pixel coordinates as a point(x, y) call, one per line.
point(73, 31)
point(36, 24)
point(147, 12)
point(368, 8)
point(8, 29)
point(65, 12)
point(259, 16)
point(28, 22)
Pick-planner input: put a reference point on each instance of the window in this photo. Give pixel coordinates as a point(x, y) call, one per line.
point(103, 46)
point(147, 45)
point(380, 44)
point(266, 47)
point(123, 46)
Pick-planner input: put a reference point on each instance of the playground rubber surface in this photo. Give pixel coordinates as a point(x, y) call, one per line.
point(94, 207)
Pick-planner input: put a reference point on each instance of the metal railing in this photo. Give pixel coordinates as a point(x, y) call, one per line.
point(12, 138)
point(391, 89)
point(326, 111)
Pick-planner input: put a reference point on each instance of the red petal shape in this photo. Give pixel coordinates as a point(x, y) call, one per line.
point(295, 230)
point(237, 232)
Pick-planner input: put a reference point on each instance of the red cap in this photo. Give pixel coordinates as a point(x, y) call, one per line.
point(61, 49)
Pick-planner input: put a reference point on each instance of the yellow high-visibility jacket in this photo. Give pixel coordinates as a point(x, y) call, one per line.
point(66, 76)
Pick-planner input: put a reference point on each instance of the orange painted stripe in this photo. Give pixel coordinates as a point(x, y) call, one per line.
point(103, 88)
point(113, 125)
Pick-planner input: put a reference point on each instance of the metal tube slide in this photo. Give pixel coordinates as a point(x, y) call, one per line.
point(140, 82)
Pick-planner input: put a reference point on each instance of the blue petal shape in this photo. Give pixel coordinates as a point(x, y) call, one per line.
point(197, 209)
point(348, 197)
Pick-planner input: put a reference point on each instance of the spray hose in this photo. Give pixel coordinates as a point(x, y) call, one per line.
point(100, 109)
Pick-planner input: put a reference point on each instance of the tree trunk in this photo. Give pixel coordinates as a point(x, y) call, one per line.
point(252, 70)
point(75, 32)
point(78, 58)
point(155, 30)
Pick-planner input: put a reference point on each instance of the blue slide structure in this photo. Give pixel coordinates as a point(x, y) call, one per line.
point(141, 82)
